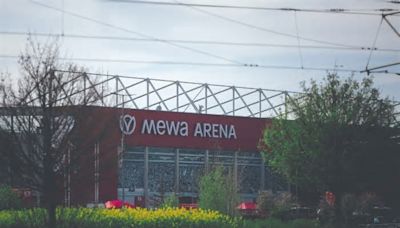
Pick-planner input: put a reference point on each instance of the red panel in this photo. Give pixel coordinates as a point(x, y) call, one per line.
point(103, 125)
point(248, 131)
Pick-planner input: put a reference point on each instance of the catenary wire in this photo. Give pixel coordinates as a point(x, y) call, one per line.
point(185, 47)
point(138, 33)
point(208, 42)
point(282, 67)
point(298, 39)
point(225, 18)
point(374, 42)
point(368, 12)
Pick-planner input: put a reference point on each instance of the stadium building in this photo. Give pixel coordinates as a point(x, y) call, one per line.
point(148, 155)
point(152, 138)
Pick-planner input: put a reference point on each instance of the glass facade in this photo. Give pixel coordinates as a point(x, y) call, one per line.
point(157, 172)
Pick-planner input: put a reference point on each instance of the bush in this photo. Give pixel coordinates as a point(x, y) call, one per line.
point(9, 199)
point(265, 201)
point(217, 192)
point(367, 201)
point(275, 204)
point(326, 213)
point(104, 218)
point(348, 204)
point(170, 201)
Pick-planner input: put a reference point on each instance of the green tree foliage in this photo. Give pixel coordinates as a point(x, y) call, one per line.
point(8, 198)
point(343, 137)
point(170, 201)
point(275, 204)
point(218, 192)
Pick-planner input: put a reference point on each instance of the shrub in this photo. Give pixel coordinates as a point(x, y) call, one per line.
point(326, 213)
point(348, 204)
point(217, 192)
point(283, 201)
point(367, 201)
point(8, 198)
point(265, 201)
point(104, 218)
point(275, 204)
point(170, 201)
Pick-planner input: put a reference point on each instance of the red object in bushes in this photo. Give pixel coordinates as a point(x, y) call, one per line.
point(118, 204)
point(189, 205)
point(113, 204)
point(247, 206)
point(128, 205)
point(330, 198)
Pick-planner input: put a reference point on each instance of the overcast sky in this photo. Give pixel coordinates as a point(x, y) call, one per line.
point(306, 35)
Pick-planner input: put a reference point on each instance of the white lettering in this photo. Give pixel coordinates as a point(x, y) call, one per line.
point(207, 130)
point(172, 128)
point(203, 130)
point(223, 131)
point(232, 132)
point(215, 130)
point(161, 127)
point(148, 127)
point(197, 131)
point(184, 129)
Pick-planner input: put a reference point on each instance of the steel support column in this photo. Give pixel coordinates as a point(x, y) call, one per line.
point(146, 177)
point(235, 170)
point(262, 170)
point(177, 171)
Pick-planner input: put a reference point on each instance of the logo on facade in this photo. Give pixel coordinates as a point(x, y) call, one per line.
point(127, 124)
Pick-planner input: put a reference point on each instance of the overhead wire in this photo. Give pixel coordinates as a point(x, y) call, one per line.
point(374, 43)
point(282, 67)
point(367, 12)
point(201, 42)
point(225, 18)
point(298, 39)
point(232, 62)
point(138, 33)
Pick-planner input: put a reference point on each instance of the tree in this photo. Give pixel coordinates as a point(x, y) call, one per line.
point(9, 199)
point(343, 137)
point(40, 113)
point(218, 192)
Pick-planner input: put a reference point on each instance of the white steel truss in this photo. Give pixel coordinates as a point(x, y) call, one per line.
point(179, 96)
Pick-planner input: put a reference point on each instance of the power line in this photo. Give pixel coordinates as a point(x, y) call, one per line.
point(202, 64)
point(374, 42)
point(374, 70)
point(265, 29)
point(298, 39)
point(368, 12)
point(188, 48)
point(245, 44)
point(139, 34)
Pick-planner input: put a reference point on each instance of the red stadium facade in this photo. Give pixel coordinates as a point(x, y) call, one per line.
point(142, 155)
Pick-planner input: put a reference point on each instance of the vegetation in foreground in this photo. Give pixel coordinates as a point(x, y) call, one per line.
point(165, 217)
point(99, 218)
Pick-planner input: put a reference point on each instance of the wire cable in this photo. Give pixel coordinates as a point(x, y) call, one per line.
point(201, 64)
point(201, 42)
point(138, 33)
point(298, 39)
point(265, 29)
point(374, 42)
point(367, 12)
